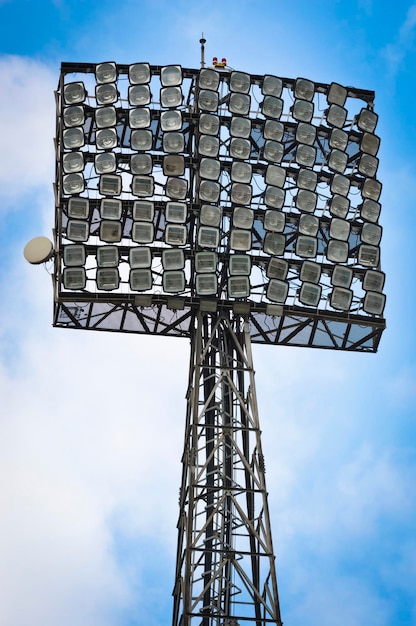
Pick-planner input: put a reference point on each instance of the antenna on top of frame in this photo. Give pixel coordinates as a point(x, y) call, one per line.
point(202, 41)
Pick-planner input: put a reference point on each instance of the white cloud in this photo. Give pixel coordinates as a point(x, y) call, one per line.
point(396, 52)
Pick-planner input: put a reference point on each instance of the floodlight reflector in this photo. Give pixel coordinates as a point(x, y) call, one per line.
point(108, 279)
point(143, 210)
point(371, 189)
point(342, 276)
point(274, 221)
point(307, 179)
point(210, 168)
point(106, 94)
point(240, 240)
point(371, 233)
point(368, 165)
point(277, 290)
point(176, 234)
point(277, 268)
point(241, 193)
point(306, 133)
point(339, 206)
point(110, 231)
point(273, 130)
point(337, 251)
point(310, 294)
point(176, 188)
point(240, 265)
point(208, 100)
point(105, 73)
point(208, 145)
point(74, 255)
point(337, 161)
point(74, 116)
point(176, 212)
point(171, 75)
point(206, 284)
point(139, 118)
point(106, 139)
point(370, 144)
point(306, 246)
point(208, 79)
point(105, 163)
point(74, 278)
point(274, 197)
point(239, 103)
point(370, 210)
point(139, 73)
point(272, 86)
point(173, 142)
point(173, 165)
point(173, 259)
point(174, 282)
point(336, 116)
point(274, 243)
point(110, 209)
point(339, 229)
point(78, 208)
point(243, 217)
point(171, 97)
point(340, 184)
point(73, 183)
point(206, 262)
point(107, 256)
point(310, 272)
point(141, 139)
point(73, 138)
point(171, 120)
point(141, 164)
point(308, 225)
point(139, 95)
point(238, 287)
point(303, 110)
point(210, 215)
point(341, 298)
point(306, 200)
point(74, 93)
point(272, 107)
point(110, 185)
point(240, 81)
point(142, 232)
point(369, 256)
point(140, 257)
point(367, 120)
point(304, 89)
point(275, 175)
point(208, 237)
point(241, 172)
point(305, 155)
point(209, 124)
point(373, 280)
point(140, 279)
point(240, 127)
point(73, 162)
point(337, 94)
point(240, 148)
point(272, 151)
point(338, 139)
point(209, 191)
point(374, 303)
point(105, 117)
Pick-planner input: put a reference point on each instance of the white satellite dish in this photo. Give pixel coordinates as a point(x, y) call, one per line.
point(38, 250)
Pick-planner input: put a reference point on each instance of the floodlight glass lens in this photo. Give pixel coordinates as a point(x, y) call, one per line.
point(74, 93)
point(74, 278)
point(140, 257)
point(206, 262)
point(106, 94)
point(173, 259)
point(337, 94)
point(74, 255)
point(238, 287)
point(106, 73)
point(308, 225)
point(208, 100)
point(275, 175)
point(240, 239)
point(143, 210)
point(369, 256)
point(310, 272)
point(272, 86)
point(340, 185)
point(208, 237)
point(105, 117)
point(141, 164)
point(306, 200)
point(73, 183)
point(240, 265)
point(173, 282)
point(305, 155)
point(339, 229)
point(209, 168)
point(171, 97)
point(175, 234)
point(370, 143)
point(142, 232)
point(371, 189)
point(368, 165)
point(241, 172)
point(341, 276)
point(141, 139)
point(338, 161)
point(73, 138)
point(210, 215)
point(272, 107)
point(337, 251)
point(171, 75)
point(306, 133)
point(274, 221)
point(171, 120)
point(273, 130)
point(338, 139)
point(139, 95)
point(373, 280)
point(106, 139)
point(341, 298)
point(239, 103)
point(142, 186)
point(139, 73)
point(140, 279)
point(176, 188)
point(243, 217)
point(208, 145)
point(239, 81)
point(139, 118)
point(339, 206)
point(110, 209)
point(241, 193)
point(304, 89)
point(209, 124)
point(374, 303)
point(176, 212)
point(240, 127)
point(274, 197)
point(74, 116)
point(107, 256)
point(77, 230)
point(110, 231)
point(273, 151)
point(209, 79)
point(78, 208)
point(277, 268)
point(206, 284)
point(108, 279)
point(240, 148)
point(310, 294)
point(367, 120)
point(307, 179)
point(73, 162)
point(336, 116)
point(274, 243)
point(306, 247)
point(303, 110)
point(105, 163)
point(277, 290)
point(209, 191)
point(173, 142)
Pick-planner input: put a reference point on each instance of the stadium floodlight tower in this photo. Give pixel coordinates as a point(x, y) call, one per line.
point(225, 208)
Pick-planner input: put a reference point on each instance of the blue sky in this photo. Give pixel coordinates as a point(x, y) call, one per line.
point(91, 425)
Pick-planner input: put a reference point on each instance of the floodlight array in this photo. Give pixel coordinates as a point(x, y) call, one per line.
point(218, 185)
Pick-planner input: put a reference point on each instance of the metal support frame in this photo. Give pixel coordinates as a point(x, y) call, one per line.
point(225, 571)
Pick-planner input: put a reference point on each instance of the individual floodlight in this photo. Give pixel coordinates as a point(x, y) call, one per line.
point(141, 164)
point(238, 287)
point(110, 185)
point(239, 103)
point(368, 165)
point(241, 148)
point(369, 256)
point(340, 184)
point(336, 116)
point(176, 212)
point(337, 94)
point(338, 139)
point(337, 251)
point(371, 189)
point(210, 215)
point(209, 168)
point(106, 139)
point(208, 145)
point(173, 142)
point(302, 110)
point(374, 303)
point(139, 95)
point(304, 89)
point(74, 278)
point(171, 75)
point(240, 265)
point(107, 256)
point(74, 255)
point(272, 86)
point(373, 280)
point(240, 127)
point(273, 151)
point(306, 247)
point(176, 234)
point(241, 193)
point(277, 290)
point(307, 179)
point(105, 117)
point(140, 279)
point(143, 210)
point(310, 272)
point(108, 279)
point(73, 183)
point(110, 209)
point(342, 276)
point(173, 165)
point(208, 237)
point(243, 217)
point(272, 107)
point(337, 161)
point(139, 73)
point(306, 133)
point(305, 155)
point(209, 124)
point(370, 144)
point(171, 97)
point(275, 175)
point(105, 73)
point(367, 120)
point(339, 229)
point(106, 94)
point(78, 208)
point(171, 120)
point(139, 118)
point(206, 284)
point(142, 232)
point(306, 200)
point(141, 139)
point(74, 93)
point(105, 163)
point(208, 100)
point(240, 240)
point(274, 197)
point(208, 79)
point(73, 138)
point(273, 130)
point(174, 282)
point(110, 231)
point(240, 82)
point(371, 233)
point(173, 259)
point(308, 225)
point(209, 191)
point(274, 243)
point(277, 268)
point(341, 298)
point(140, 257)
point(206, 262)
point(73, 162)
point(241, 172)
point(339, 206)
point(176, 188)
point(310, 294)
point(142, 186)
point(274, 221)
point(73, 116)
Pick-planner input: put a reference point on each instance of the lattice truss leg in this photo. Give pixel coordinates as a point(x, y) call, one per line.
point(225, 573)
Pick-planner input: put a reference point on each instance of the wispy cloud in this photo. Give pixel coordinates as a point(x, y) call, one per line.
point(396, 52)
